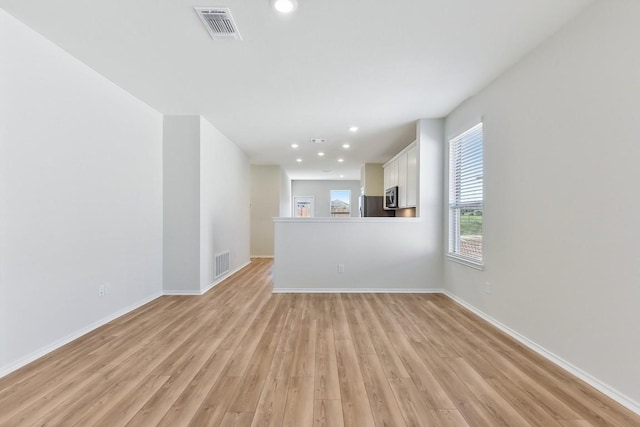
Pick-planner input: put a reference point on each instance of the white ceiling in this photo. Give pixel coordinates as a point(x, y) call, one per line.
point(377, 64)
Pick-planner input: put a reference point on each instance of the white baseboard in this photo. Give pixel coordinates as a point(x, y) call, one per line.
point(223, 278)
point(180, 292)
point(557, 360)
point(262, 256)
point(354, 291)
point(209, 287)
point(77, 334)
point(73, 336)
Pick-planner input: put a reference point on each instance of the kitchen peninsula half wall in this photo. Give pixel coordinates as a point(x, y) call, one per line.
point(355, 255)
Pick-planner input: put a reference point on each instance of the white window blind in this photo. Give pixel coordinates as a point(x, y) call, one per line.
point(466, 195)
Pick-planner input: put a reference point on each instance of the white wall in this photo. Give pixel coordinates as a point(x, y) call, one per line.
point(379, 254)
point(321, 191)
point(562, 241)
point(265, 205)
point(206, 202)
point(285, 194)
point(181, 237)
point(80, 197)
point(224, 202)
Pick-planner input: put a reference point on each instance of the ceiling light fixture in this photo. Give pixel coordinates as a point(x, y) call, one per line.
point(353, 129)
point(320, 154)
point(345, 146)
point(341, 176)
point(294, 145)
point(284, 6)
point(341, 160)
point(298, 160)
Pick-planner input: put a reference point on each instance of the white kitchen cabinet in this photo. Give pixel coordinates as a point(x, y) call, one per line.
point(412, 177)
point(390, 177)
point(386, 178)
point(402, 180)
point(391, 174)
point(402, 171)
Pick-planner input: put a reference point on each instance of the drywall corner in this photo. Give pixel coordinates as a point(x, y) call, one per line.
point(181, 204)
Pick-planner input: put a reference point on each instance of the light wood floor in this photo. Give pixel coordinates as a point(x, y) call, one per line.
point(240, 356)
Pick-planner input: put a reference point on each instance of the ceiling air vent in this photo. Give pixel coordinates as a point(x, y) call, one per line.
point(219, 23)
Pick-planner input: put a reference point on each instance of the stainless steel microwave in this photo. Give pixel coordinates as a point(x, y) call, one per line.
point(391, 198)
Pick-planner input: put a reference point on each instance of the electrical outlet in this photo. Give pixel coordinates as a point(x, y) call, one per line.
point(340, 268)
point(101, 290)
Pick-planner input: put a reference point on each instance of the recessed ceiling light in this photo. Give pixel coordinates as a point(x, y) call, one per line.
point(320, 154)
point(341, 176)
point(298, 160)
point(294, 145)
point(341, 160)
point(284, 6)
point(346, 146)
point(353, 129)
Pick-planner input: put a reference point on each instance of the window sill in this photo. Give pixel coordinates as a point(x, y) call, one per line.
point(466, 262)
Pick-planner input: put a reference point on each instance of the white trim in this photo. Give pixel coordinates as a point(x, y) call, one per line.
point(223, 278)
point(602, 387)
point(404, 150)
point(312, 205)
point(179, 292)
point(464, 261)
point(468, 131)
point(43, 351)
point(77, 334)
point(262, 256)
point(355, 291)
point(465, 125)
point(209, 287)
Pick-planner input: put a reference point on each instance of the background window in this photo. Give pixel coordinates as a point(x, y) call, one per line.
point(466, 196)
point(340, 203)
point(303, 206)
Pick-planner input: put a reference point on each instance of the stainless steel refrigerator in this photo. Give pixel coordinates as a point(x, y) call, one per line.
point(373, 206)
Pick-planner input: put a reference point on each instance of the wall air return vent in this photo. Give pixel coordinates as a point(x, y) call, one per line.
point(222, 264)
point(219, 23)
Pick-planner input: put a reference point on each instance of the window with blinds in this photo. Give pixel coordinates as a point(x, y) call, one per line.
point(465, 196)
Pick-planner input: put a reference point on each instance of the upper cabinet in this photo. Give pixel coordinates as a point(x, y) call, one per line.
point(412, 176)
point(402, 171)
point(390, 174)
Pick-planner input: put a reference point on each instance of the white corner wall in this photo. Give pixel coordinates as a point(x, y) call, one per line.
point(80, 197)
point(265, 205)
point(224, 208)
point(181, 237)
point(285, 194)
point(562, 242)
point(206, 203)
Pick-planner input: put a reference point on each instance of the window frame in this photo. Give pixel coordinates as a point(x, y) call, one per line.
point(331, 215)
point(458, 192)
